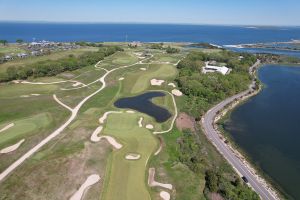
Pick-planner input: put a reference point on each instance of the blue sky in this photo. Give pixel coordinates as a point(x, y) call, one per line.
point(241, 12)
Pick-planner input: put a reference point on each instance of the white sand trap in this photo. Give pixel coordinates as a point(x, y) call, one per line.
point(7, 127)
point(112, 141)
point(95, 136)
point(177, 92)
point(157, 82)
point(143, 69)
point(164, 195)
point(12, 148)
point(76, 84)
point(172, 85)
point(149, 126)
point(91, 180)
point(103, 118)
point(153, 183)
point(132, 156)
point(130, 111)
point(24, 96)
point(121, 79)
point(35, 95)
point(141, 122)
point(16, 81)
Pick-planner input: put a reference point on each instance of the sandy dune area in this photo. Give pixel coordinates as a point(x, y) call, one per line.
point(172, 85)
point(112, 141)
point(153, 183)
point(132, 156)
point(156, 82)
point(95, 136)
point(141, 122)
point(103, 118)
point(149, 126)
point(12, 147)
point(177, 92)
point(164, 195)
point(91, 180)
point(7, 127)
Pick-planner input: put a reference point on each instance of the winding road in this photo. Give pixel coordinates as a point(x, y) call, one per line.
point(207, 123)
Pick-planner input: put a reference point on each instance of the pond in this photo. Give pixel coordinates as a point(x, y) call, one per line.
point(143, 104)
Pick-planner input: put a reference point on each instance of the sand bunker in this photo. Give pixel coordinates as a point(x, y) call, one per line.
point(130, 111)
point(172, 85)
point(149, 126)
point(24, 96)
point(35, 95)
point(153, 183)
point(143, 69)
point(95, 136)
point(132, 156)
point(76, 84)
point(12, 148)
point(103, 118)
point(157, 82)
point(121, 79)
point(164, 195)
point(160, 146)
point(91, 180)
point(177, 92)
point(141, 122)
point(7, 127)
point(112, 141)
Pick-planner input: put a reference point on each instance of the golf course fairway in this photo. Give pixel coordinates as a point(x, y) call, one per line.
point(126, 178)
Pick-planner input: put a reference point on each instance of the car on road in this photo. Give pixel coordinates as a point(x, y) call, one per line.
point(245, 179)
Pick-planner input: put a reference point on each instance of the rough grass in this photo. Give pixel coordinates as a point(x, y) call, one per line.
point(118, 59)
point(126, 178)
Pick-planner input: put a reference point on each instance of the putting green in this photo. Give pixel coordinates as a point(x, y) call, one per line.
point(140, 81)
point(125, 179)
point(23, 127)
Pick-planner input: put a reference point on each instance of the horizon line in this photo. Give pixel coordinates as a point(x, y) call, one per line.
point(141, 23)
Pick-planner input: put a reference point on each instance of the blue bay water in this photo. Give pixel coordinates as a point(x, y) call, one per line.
point(267, 127)
point(221, 35)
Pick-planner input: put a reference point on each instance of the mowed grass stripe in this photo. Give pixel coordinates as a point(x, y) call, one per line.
point(126, 179)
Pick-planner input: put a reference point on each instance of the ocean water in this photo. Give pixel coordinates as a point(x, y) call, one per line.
point(267, 127)
point(221, 35)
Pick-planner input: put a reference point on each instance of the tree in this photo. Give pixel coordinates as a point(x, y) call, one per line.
point(19, 41)
point(3, 42)
point(211, 180)
point(171, 50)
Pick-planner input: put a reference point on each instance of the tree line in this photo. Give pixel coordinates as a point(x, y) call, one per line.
point(204, 90)
point(54, 67)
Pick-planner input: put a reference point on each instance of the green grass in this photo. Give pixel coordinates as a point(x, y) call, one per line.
point(11, 49)
point(23, 127)
point(140, 81)
point(52, 56)
point(118, 59)
point(126, 178)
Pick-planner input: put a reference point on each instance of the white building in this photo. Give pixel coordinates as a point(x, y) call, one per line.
point(211, 68)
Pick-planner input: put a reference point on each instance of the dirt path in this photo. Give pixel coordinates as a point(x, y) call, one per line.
point(58, 131)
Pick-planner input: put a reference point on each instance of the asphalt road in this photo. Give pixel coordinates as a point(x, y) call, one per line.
point(207, 124)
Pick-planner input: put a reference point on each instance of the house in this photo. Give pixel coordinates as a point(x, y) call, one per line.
point(135, 44)
point(211, 68)
point(22, 55)
point(35, 53)
point(8, 57)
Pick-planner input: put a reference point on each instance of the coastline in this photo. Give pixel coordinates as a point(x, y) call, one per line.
point(244, 96)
